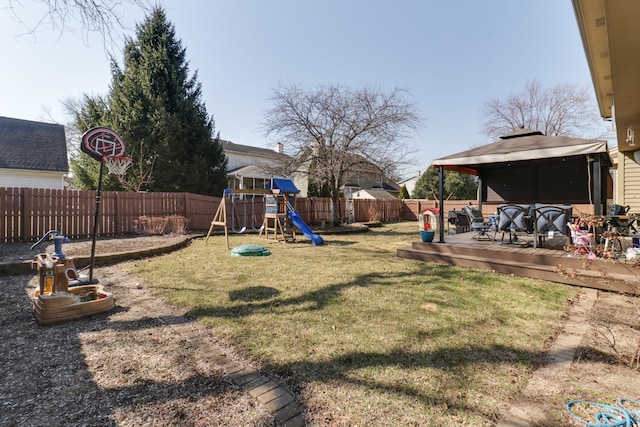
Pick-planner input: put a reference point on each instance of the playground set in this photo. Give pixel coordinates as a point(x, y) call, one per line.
point(281, 219)
point(63, 294)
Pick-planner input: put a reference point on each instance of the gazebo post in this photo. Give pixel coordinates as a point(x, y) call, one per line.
point(441, 201)
point(479, 192)
point(597, 185)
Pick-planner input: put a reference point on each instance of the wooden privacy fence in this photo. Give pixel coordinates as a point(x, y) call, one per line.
point(26, 214)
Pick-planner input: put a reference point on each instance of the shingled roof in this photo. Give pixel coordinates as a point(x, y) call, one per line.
point(32, 145)
point(230, 147)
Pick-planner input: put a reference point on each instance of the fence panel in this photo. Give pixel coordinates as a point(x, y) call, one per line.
point(200, 209)
point(11, 210)
point(392, 210)
point(367, 210)
point(131, 206)
point(412, 207)
point(314, 210)
point(85, 203)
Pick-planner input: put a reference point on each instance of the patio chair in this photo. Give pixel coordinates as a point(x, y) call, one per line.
point(550, 221)
point(514, 219)
point(478, 225)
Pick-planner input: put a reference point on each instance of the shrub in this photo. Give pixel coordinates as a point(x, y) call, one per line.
point(155, 225)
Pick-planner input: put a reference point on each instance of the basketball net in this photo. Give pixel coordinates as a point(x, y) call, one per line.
point(117, 165)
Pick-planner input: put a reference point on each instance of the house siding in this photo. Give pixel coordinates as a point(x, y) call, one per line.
point(237, 160)
point(31, 179)
point(631, 182)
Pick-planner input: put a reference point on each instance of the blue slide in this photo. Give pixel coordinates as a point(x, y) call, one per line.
point(302, 226)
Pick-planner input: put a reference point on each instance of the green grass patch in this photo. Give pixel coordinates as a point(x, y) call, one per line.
point(370, 338)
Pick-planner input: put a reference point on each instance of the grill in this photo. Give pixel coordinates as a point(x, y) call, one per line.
point(459, 220)
point(620, 220)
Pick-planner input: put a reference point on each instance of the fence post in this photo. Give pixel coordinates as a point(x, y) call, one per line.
point(117, 213)
point(27, 208)
point(187, 207)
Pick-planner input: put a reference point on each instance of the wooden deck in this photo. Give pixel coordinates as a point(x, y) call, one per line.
point(551, 262)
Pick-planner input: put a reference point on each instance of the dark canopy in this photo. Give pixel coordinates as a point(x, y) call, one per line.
point(527, 166)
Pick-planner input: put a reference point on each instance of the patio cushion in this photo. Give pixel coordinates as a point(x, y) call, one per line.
point(552, 218)
point(514, 218)
point(549, 220)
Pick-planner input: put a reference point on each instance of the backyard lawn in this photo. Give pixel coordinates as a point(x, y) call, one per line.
point(365, 337)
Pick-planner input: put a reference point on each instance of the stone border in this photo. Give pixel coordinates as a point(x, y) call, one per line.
point(24, 267)
point(273, 396)
point(558, 360)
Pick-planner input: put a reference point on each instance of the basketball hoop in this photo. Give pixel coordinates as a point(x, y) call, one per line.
point(117, 165)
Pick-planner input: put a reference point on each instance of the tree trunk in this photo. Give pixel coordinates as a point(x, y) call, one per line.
point(335, 210)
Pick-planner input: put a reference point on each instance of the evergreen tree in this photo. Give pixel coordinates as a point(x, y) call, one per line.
point(156, 108)
point(89, 112)
point(404, 193)
point(318, 190)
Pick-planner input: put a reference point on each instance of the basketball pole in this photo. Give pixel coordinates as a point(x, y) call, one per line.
point(95, 223)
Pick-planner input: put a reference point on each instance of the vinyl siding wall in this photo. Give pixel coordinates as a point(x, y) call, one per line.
point(630, 185)
point(31, 179)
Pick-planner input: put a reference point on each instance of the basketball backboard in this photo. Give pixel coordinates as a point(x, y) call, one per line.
point(102, 141)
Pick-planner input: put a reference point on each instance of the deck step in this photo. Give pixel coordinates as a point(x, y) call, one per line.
point(525, 263)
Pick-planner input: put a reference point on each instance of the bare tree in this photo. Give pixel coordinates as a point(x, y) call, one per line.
point(102, 16)
point(335, 132)
point(563, 110)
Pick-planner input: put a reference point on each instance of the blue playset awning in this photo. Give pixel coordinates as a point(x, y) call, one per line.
point(284, 185)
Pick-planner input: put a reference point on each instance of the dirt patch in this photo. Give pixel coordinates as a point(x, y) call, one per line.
point(125, 368)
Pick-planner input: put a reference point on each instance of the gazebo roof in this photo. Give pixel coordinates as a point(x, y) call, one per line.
point(522, 145)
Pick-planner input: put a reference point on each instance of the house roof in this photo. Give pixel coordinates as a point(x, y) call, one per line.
point(521, 146)
point(253, 171)
point(611, 38)
point(387, 186)
point(32, 145)
point(230, 147)
point(374, 193)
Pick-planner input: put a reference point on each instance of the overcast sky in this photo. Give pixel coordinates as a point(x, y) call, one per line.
point(452, 56)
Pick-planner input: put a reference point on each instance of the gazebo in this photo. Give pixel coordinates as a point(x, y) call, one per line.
point(526, 166)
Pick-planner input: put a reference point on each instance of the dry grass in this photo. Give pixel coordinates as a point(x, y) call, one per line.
point(368, 338)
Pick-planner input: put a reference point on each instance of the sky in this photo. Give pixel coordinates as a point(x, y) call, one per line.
point(451, 56)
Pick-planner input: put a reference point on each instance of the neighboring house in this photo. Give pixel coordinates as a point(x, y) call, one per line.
point(374, 194)
point(611, 38)
point(362, 174)
point(383, 183)
point(410, 183)
point(252, 167)
point(32, 154)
